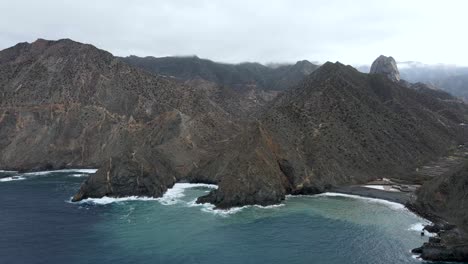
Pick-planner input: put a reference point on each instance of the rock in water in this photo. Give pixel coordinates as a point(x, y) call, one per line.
point(386, 66)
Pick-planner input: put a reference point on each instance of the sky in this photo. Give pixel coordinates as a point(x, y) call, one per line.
point(267, 31)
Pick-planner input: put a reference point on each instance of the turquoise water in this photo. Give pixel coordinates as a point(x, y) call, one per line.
point(40, 225)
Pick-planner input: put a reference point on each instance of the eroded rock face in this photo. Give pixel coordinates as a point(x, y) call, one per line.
point(386, 66)
point(127, 176)
point(68, 104)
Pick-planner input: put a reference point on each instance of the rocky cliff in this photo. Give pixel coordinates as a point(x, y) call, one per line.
point(386, 66)
point(67, 104)
point(444, 200)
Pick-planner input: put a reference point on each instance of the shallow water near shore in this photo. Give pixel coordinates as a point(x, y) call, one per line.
point(39, 224)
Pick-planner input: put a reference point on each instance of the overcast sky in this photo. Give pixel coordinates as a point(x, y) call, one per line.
point(353, 32)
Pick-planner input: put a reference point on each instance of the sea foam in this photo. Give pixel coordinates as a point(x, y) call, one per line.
point(13, 178)
point(87, 171)
point(27, 175)
point(393, 205)
point(210, 208)
point(419, 227)
point(108, 200)
point(78, 175)
point(174, 194)
point(171, 196)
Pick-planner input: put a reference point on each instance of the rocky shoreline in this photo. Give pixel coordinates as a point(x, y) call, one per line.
point(449, 243)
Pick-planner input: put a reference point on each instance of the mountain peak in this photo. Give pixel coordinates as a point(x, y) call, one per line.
point(386, 66)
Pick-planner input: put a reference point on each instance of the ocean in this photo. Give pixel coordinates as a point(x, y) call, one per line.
point(39, 224)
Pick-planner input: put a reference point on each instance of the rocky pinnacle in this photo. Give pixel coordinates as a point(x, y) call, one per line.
point(386, 66)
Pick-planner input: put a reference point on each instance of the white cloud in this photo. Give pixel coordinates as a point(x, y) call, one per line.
point(353, 32)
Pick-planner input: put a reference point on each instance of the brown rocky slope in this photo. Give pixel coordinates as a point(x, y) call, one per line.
point(338, 126)
point(67, 104)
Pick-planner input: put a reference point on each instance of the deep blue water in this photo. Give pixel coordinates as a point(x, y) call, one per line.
point(38, 224)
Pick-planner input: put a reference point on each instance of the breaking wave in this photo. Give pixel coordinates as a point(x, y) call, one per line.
point(419, 227)
point(87, 171)
point(393, 205)
point(78, 175)
point(174, 194)
point(210, 208)
point(108, 200)
point(13, 178)
point(24, 176)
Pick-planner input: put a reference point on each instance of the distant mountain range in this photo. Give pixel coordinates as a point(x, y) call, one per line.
point(258, 132)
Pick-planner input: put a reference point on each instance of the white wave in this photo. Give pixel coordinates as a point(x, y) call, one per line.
point(393, 205)
point(7, 171)
point(108, 200)
point(88, 171)
point(13, 178)
point(79, 175)
point(174, 194)
point(419, 227)
point(210, 208)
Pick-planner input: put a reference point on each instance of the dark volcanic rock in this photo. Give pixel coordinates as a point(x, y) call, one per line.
point(247, 86)
point(337, 127)
point(450, 246)
point(447, 198)
point(442, 199)
point(386, 66)
point(249, 172)
point(124, 176)
point(67, 104)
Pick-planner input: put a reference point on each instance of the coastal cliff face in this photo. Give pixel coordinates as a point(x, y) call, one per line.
point(67, 104)
point(444, 200)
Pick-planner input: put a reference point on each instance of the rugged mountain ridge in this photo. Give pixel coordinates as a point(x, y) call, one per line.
point(252, 85)
point(231, 75)
point(67, 104)
point(339, 126)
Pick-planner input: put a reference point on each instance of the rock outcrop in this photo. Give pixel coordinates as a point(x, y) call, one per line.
point(386, 66)
point(444, 200)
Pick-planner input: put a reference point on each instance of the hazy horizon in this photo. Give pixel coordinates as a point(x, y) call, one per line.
point(352, 32)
